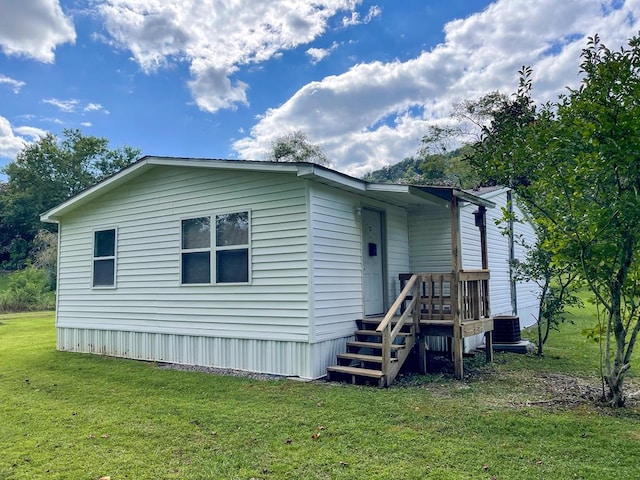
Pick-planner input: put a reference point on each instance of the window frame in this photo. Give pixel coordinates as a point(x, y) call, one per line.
point(113, 258)
point(214, 248)
point(184, 251)
point(227, 248)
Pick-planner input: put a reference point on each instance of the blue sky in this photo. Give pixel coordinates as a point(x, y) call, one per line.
point(223, 79)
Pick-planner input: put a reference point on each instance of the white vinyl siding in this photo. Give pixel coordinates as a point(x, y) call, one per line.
point(497, 247)
point(526, 292)
point(397, 230)
point(498, 253)
point(336, 262)
point(430, 240)
point(149, 297)
point(336, 245)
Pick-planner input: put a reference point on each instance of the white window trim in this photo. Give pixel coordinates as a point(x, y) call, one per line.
point(214, 248)
point(114, 258)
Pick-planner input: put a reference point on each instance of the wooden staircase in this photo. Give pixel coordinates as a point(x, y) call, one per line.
point(452, 305)
point(384, 348)
point(362, 363)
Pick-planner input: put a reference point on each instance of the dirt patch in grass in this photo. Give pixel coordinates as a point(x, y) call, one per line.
point(563, 389)
point(546, 389)
point(520, 389)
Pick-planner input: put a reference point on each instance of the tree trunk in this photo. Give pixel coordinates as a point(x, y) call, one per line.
point(541, 314)
point(615, 373)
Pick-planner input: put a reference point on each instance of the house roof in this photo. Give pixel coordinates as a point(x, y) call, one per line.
point(402, 195)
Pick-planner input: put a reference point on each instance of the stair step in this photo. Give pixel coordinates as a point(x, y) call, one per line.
point(360, 357)
point(377, 320)
point(364, 372)
point(394, 346)
point(373, 333)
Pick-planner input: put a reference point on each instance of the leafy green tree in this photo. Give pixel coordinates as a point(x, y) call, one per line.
point(556, 282)
point(296, 147)
point(575, 163)
point(44, 255)
point(26, 290)
point(44, 174)
point(448, 168)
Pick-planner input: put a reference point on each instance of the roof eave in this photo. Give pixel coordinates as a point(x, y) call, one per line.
point(53, 215)
point(467, 197)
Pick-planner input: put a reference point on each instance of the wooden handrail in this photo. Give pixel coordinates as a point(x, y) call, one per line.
point(389, 335)
point(396, 305)
point(467, 275)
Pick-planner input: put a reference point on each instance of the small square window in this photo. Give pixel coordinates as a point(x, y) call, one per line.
point(232, 266)
point(196, 233)
point(196, 267)
point(103, 273)
point(104, 258)
point(104, 243)
point(232, 229)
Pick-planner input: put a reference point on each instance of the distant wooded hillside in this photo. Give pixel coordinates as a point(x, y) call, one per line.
point(450, 168)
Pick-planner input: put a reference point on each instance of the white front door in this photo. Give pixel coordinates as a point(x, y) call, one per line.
point(373, 262)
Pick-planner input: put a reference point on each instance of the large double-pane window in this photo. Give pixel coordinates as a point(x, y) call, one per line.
point(104, 258)
point(216, 251)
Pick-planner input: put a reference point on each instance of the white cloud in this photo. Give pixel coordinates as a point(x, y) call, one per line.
point(66, 106)
point(93, 107)
point(33, 133)
point(354, 19)
point(15, 85)
point(375, 113)
point(55, 120)
point(34, 28)
point(86, 124)
point(318, 54)
point(374, 11)
point(215, 37)
point(13, 140)
point(72, 105)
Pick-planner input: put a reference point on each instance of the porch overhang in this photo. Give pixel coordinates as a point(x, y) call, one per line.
point(421, 195)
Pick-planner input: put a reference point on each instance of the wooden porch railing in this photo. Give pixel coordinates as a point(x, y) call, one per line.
point(474, 294)
point(444, 308)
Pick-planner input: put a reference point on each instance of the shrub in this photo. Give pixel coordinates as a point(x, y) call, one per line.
point(27, 290)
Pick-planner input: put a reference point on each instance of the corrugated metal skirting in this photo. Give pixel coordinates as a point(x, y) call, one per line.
point(264, 356)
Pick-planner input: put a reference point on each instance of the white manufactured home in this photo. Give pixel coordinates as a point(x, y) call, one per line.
point(267, 267)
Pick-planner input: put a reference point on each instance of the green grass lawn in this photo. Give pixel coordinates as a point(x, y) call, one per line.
point(73, 416)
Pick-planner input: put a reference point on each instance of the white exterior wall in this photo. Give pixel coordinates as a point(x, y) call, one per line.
point(336, 245)
point(336, 260)
point(262, 327)
point(498, 259)
point(527, 293)
point(397, 230)
point(430, 240)
point(498, 253)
